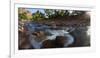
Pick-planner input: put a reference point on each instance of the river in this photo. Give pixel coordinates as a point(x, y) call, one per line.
point(51, 33)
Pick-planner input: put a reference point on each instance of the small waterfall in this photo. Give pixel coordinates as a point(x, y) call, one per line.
point(32, 27)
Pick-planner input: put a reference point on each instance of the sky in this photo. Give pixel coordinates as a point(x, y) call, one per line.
point(33, 10)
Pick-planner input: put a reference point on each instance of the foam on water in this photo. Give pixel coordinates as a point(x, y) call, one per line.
point(31, 28)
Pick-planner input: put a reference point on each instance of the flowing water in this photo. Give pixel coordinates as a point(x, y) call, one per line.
point(51, 33)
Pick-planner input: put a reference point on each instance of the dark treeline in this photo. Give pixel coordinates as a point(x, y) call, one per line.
point(48, 14)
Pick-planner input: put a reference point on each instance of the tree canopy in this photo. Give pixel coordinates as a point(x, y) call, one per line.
point(37, 16)
point(48, 14)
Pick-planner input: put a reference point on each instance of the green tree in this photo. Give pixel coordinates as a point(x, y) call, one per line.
point(49, 13)
point(54, 13)
point(37, 16)
point(22, 16)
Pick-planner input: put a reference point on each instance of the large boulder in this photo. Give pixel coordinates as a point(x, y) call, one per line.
point(60, 41)
point(81, 37)
point(48, 44)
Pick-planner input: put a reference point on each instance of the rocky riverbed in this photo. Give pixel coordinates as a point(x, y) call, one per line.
point(48, 34)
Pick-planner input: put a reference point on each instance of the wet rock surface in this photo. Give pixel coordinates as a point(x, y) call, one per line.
point(54, 34)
